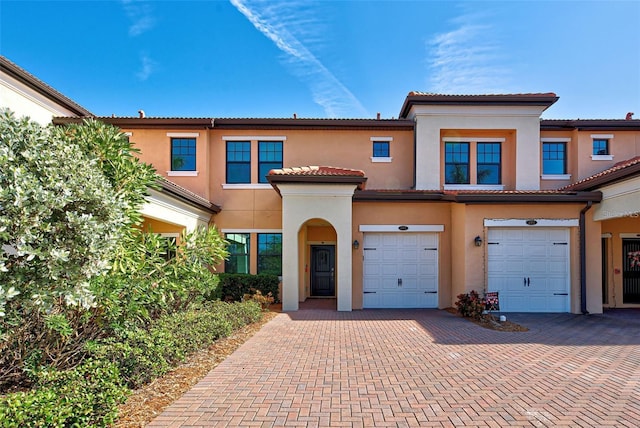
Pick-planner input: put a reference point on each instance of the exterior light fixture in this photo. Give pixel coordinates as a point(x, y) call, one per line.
point(478, 241)
point(356, 244)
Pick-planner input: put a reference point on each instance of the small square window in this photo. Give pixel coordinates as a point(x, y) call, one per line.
point(381, 149)
point(183, 154)
point(601, 147)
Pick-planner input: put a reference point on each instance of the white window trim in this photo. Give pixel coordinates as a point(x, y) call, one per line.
point(183, 134)
point(388, 139)
point(556, 140)
point(246, 186)
point(474, 187)
point(397, 228)
point(182, 173)
point(254, 138)
point(601, 157)
point(251, 231)
point(381, 159)
point(602, 136)
point(169, 234)
point(555, 177)
point(630, 235)
point(128, 134)
point(473, 140)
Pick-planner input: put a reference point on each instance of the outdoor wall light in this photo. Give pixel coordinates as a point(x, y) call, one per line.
point(356, 244)
point(478, 241)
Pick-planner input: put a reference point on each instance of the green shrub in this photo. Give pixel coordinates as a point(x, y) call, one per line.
point(85, 396)
point(233, 286)
point(471, 305)
point(145, 354)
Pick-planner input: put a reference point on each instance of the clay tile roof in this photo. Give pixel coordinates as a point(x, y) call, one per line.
point(324, 171)
point(545, 99)
point(316, 175)
point(619, 171)
point(187, 195)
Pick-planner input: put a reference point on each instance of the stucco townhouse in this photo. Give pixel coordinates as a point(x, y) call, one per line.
point(460, 193)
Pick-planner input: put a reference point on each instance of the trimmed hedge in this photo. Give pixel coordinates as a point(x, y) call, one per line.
point(85, 396)
point(233, 286)
point(143, 355)
point(89, 394)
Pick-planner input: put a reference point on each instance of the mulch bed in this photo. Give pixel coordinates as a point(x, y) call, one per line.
point(491, 322)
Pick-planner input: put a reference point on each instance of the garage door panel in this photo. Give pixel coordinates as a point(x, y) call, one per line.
point(530, 269)
point(411, 258)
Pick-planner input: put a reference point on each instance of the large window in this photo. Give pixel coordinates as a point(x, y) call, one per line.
point(183, 154)
point(238, 260)
point(489, 163)
point(456, 167)
point(269, 157)
point(238, 162)
point(554, 158)
point(270, 253)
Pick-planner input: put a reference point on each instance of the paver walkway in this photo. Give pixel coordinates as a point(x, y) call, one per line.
point(398, 368)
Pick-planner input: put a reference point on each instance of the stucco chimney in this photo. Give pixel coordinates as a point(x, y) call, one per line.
point(629, 116)
point(141, 113)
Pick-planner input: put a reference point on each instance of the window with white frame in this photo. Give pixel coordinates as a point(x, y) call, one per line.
point(381, 149)
point(555, 158)
point(183, 160)
point(601, 147)
point(473, 162)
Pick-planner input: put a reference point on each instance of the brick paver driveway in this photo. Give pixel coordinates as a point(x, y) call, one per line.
point(423, 368)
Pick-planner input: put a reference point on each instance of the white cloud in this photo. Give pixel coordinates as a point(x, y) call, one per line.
point(292, 28)
point(147, 66)
point(467, 59)
point(139, 12)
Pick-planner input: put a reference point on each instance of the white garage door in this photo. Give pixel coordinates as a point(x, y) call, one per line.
point(400, 270)
point(529, 268)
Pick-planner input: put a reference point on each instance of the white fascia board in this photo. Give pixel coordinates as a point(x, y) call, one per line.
point(402, 228)
point(539, 222)
point(485, 111)
point(165, 208)
point(317, 190)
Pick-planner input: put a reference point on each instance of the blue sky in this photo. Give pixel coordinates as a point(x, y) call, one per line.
point(351, 59)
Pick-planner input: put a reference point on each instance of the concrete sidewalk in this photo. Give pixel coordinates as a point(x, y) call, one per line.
point(397, 368)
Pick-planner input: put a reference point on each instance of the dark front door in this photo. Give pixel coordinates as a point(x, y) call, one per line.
point(323, 268)
point(631, 271)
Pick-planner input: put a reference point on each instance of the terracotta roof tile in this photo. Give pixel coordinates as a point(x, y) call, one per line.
point(620, 170)
point(318, 171)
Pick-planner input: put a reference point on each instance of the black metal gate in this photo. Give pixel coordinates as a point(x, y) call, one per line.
point(631, 270)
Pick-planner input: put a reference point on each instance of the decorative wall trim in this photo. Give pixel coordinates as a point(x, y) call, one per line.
point(555, 140)
point(254, 137)
point(182, 173)
point(401, 228)
point(555, 176)
point(531, 222)
point(183, 134)
point(381, 139)
point(381, 159)
point(474, 139)
point(246, 186)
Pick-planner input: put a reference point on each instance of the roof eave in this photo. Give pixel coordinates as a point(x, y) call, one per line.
point(610, 178)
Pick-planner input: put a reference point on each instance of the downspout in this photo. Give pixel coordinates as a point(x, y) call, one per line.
point(583, 259)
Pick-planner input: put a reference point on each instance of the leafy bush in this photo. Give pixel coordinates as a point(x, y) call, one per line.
point(144, 354)
point(233, 286)
point(471, 305)
point(85, 396)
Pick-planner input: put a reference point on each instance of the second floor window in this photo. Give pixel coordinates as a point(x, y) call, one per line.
point(238, 260)
point(381, 149)
point(456, 168)
point(238, 162)
point(183, 154)
point(489, 163)
point(554, 158)
point(270, 253)
point(269, 157)
point(600, 147)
